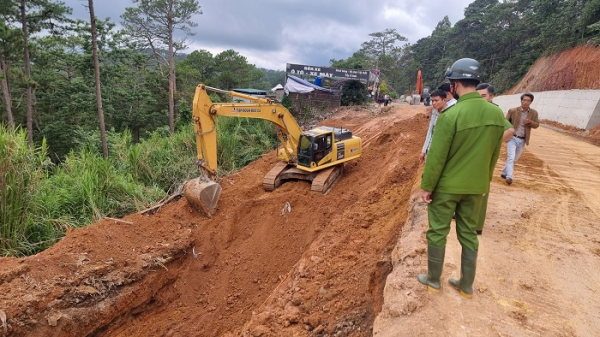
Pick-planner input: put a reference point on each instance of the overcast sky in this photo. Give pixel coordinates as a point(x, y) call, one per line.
point(272, 33)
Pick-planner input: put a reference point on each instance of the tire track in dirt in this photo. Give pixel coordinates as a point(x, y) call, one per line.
point(538, 262)
point(577, 162)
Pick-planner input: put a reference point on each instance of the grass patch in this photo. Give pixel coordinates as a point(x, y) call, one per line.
point(40, 202)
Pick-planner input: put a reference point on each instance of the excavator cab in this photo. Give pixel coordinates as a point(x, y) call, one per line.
point(313, 149)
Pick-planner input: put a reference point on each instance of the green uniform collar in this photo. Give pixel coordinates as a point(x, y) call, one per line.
point(470, 95)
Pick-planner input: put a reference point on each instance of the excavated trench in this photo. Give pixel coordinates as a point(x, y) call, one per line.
point(257, 268)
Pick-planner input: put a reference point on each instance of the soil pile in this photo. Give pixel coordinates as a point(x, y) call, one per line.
point(590, 136)
point(595, 134)
point(288, 262)
point(576, 68)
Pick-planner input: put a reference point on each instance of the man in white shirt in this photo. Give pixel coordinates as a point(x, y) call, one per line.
point(438, 102)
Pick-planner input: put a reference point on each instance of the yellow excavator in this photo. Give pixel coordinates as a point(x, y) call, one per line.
point(316, 155)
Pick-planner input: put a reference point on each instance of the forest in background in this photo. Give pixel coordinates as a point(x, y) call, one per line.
point(59, 170)
point(134, 77)
point(506, 37)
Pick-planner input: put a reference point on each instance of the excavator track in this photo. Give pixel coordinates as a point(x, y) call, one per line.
point(322, 181)
point(272, 179)
point(326, 179)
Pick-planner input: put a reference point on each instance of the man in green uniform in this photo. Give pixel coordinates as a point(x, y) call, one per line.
point(459, 167)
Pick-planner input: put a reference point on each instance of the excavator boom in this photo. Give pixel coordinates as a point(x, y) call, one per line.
point(204, 118)
point(203, 193)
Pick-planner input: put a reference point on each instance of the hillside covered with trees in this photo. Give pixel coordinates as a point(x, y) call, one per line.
point(506, 37)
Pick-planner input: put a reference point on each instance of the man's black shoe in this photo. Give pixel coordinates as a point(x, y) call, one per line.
point(479, 231)
point(509, 181)
point(503, 176)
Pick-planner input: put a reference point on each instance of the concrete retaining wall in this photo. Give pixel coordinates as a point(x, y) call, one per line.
point(578, 108)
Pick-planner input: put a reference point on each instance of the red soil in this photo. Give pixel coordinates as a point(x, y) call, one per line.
point(251, 270)
point(577, 68)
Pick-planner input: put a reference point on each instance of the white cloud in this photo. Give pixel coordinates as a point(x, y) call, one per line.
point(272, 33)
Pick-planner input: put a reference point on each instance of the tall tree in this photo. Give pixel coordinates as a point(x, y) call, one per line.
point(590, 16)
point(233, 70)
point(10, 43)
point(36, 16)
point(27, 74)
point(155, 21)
point(97, 80)
point(382, 43)
point(434, 53)
point(133, 92)
point(358, 60)
point(198, 67)
point(382, 51)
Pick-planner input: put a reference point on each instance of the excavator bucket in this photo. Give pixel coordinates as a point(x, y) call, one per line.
point(203, 195)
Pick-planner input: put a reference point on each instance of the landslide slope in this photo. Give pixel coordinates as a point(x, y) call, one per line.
point(257, 268)
point(576, 68)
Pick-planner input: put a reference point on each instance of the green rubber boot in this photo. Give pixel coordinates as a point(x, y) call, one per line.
point(435, 263)
point(468, 263)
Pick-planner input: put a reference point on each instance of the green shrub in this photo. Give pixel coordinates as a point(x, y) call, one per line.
point(21, 169)
point(241, 141)
point(159, 161)
point(383, 89)
point(286, 101)
point(353, 92)
point(85, 188)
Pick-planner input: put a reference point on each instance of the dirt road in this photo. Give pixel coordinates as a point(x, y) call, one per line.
point(539, 262)
point(319, 267)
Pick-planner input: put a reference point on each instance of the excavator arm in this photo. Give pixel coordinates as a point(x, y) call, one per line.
point(204, 118)
point(203, 192)
point(419, 83)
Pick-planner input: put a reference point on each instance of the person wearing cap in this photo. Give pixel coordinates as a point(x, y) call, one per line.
point(523, 119)
point(458, 171)
point(486, 91)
